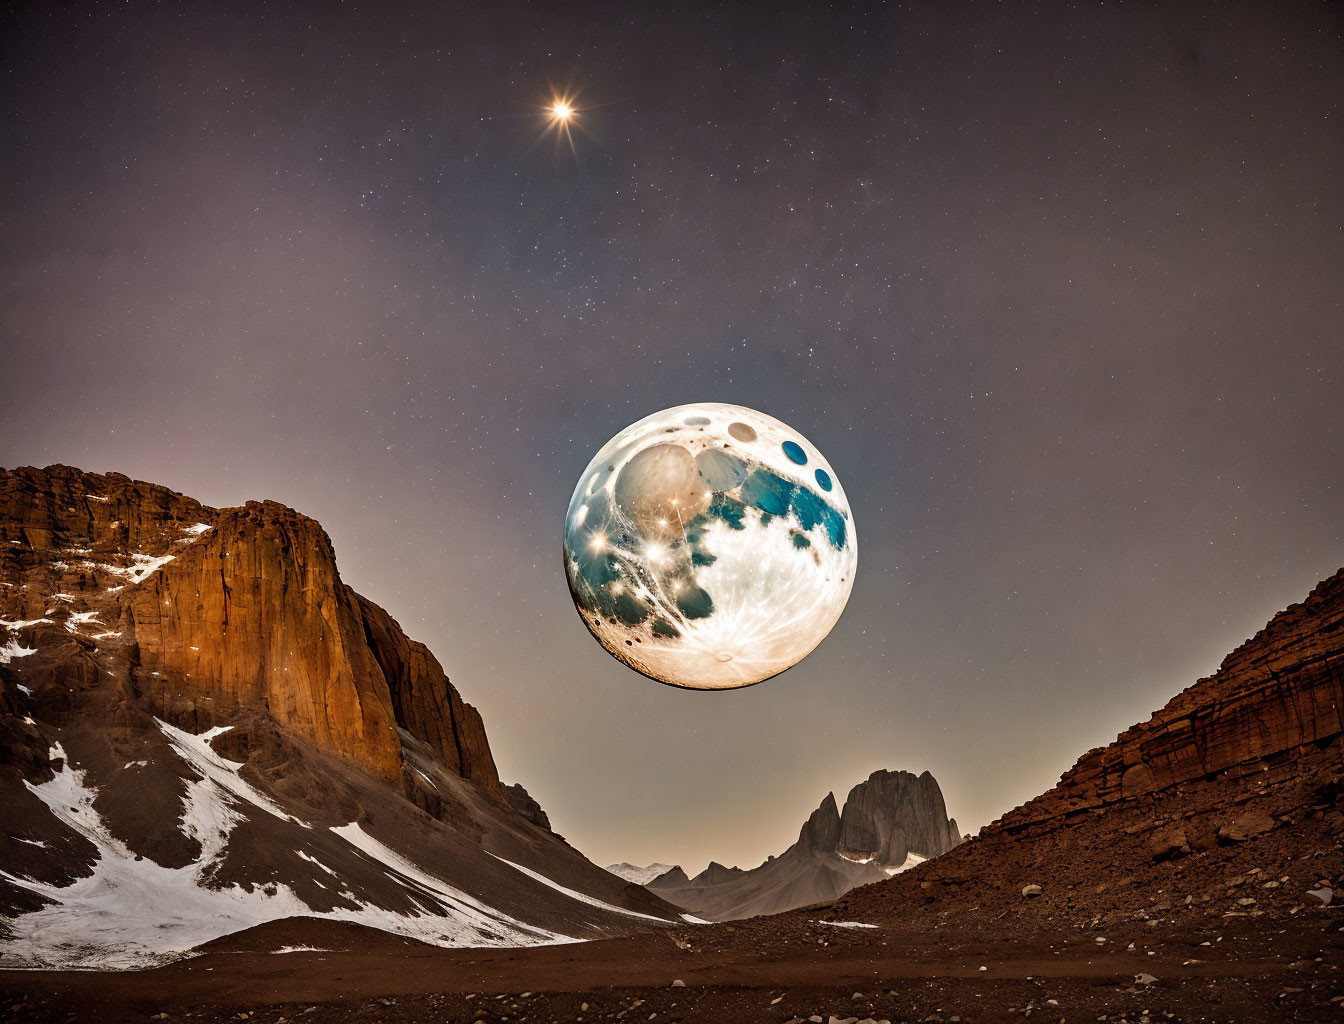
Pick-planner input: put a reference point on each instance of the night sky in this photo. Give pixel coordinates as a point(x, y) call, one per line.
point(1056, 292)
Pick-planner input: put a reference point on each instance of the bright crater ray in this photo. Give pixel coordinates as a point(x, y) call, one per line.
point(709, 546)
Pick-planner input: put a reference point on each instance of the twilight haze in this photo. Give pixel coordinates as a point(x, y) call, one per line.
point(1059, 298)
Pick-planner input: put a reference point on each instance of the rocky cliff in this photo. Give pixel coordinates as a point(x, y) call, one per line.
point(214, 610)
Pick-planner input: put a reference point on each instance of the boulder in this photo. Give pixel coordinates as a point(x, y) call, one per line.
point(1246, 826)
point(1168, 842)
point(1325, 894)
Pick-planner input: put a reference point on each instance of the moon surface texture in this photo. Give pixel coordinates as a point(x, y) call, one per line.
point(709, 546)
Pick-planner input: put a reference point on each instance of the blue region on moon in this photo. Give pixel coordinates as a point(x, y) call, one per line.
point(761, 489)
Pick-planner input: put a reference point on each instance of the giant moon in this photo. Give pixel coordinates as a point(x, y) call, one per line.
point(709, 546)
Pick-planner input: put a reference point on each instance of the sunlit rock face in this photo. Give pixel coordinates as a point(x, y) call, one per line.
point(709, 546)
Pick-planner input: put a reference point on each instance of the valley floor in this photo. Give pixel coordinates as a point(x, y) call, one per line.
point(779, 969)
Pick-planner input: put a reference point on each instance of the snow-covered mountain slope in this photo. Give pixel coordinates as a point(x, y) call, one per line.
point(212, 731)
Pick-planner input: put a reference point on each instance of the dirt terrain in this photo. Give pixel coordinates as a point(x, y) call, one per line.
point(776, 969)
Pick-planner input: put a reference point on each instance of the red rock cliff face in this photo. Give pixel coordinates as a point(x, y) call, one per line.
point(255, 613)
point(1277, 694)
point(218, 609)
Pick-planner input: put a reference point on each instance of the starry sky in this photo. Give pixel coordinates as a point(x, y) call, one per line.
point(1056, 290)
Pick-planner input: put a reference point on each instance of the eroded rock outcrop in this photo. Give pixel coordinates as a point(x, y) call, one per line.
point(522, 802)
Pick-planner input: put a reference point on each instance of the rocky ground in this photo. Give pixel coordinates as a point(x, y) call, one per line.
point(790, 969)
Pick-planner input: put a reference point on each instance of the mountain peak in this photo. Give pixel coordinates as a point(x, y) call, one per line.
point(822, 828)
point(891, 821)
point(716, 874)
point(892, 815)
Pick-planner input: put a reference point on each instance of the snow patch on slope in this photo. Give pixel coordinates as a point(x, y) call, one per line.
point(576, 895)
point(472, 912)
point(13, 650)
point(196, 751)
point(911, 860)
point(854, 860)
point(141, 567)
point(78, 619)
point(132, 912)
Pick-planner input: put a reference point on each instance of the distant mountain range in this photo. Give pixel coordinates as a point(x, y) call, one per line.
point(638, 875)
point(890, 822)
point(202, 728)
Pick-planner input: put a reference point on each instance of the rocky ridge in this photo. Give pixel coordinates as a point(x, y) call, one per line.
point(1276, 697)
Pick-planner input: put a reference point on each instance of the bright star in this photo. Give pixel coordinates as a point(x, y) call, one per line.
point(561, 115)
